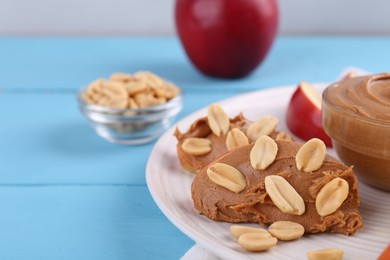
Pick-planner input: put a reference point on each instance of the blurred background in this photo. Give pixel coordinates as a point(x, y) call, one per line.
point(155, 17)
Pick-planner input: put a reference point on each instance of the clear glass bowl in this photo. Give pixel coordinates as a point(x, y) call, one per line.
point(130, 126)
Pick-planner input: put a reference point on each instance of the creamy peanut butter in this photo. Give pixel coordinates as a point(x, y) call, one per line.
point(356, 115)
point(200, 128)
point(253, 204)
point(368, 96)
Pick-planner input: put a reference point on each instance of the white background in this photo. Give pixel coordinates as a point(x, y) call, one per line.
point(155, 17)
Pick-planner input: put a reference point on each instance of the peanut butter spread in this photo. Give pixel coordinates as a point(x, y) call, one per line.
point(367, 96)
point(200, 128)
point(253, 203)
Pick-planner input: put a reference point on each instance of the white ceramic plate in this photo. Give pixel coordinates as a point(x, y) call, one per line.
point(170, 187)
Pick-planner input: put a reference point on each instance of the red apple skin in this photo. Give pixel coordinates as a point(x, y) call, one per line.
point(226, 38)
point(304, 119)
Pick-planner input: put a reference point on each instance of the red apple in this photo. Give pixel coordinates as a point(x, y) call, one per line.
point(303, 116)
point(226, 38)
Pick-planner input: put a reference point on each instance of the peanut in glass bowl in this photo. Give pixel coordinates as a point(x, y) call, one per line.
point(130, 126)
point(359, 137)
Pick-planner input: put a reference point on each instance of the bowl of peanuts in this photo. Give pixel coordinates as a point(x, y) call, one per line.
point(130, 109)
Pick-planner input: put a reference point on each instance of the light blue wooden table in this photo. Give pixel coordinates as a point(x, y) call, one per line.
point(66, 193)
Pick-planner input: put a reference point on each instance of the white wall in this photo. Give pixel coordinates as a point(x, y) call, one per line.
point(155, 17)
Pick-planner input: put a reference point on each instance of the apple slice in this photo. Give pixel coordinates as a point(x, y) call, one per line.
point(303, 115)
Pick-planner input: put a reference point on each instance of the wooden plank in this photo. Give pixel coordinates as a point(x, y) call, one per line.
point(85, 222)
point(68, 63)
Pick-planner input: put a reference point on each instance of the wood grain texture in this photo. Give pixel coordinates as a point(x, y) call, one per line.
point(85, 222)
point(65, 64)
